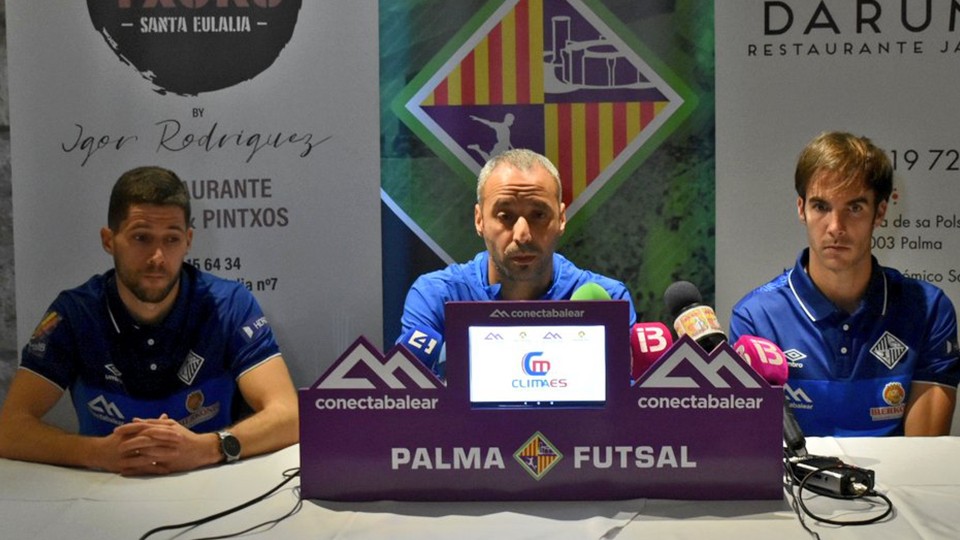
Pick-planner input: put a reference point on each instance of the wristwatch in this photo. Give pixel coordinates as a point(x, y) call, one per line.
point(229, 446)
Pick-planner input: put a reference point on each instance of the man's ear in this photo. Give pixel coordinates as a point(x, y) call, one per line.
point(881, 213)
point(478, 219)
point(800, 213)
point(563, 218)
point(106, 239)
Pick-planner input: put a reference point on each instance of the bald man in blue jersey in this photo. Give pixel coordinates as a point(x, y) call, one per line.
point(520, 216)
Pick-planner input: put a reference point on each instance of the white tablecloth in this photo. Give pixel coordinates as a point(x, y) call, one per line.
point(920, 475)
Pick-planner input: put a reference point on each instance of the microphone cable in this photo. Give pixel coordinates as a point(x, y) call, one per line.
point(803, 483)
point(288, 474)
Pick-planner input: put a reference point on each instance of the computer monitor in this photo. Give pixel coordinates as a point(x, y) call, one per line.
point(537, 366)
point(536, 354)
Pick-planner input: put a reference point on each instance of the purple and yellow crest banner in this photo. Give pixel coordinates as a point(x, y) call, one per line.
point(611, 92)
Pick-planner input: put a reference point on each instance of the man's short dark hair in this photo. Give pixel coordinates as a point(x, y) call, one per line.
point(854, 159)
point(146, 185)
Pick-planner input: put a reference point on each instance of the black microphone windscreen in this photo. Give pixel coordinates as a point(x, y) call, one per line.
point(679, 295)
point(793, 440)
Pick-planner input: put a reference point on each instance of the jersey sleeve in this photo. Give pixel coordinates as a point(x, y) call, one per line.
point(615, 288)
point(741, 324)
point(51, 348)
point(423, 308)
point(619, 291)
point(940, 359)
point(252, 341)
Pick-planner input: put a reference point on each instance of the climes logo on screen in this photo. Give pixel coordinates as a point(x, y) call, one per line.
point(536, 368)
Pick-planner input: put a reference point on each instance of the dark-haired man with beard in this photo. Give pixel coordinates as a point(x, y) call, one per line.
point(169, 368)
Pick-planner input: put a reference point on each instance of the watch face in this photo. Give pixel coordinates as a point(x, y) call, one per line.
point(231, 446)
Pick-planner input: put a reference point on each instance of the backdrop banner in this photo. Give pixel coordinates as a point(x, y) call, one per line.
point(619, 95)
point(789, 69)
point(266, 110)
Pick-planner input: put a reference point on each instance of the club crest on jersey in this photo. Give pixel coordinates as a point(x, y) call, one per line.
point(190, 367)
point(889, 350)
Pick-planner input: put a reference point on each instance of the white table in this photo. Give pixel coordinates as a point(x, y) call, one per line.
point(921, 476)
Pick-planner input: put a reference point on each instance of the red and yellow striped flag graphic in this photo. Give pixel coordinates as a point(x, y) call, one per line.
point(563, 85)
point(505, 68)
point(582, 139)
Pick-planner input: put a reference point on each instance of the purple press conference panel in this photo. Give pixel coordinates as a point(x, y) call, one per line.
point(694, 426)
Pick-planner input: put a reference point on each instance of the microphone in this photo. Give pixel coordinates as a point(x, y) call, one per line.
point(794, 443)
point(692, 318)
point(825, 475)
point(648, 342)
point(764, 357)
point(590, 291)
point(427, 345)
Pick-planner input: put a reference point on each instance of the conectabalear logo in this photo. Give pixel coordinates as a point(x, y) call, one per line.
point(191, 46)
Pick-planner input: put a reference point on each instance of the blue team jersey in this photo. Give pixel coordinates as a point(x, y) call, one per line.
point(470, 281)
point(186, 366)
point(850, 374)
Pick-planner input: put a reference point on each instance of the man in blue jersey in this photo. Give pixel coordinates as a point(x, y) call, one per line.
point(871, 352)
point(169, 368)
point(520, 216)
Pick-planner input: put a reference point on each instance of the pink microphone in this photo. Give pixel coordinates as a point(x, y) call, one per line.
point(765, 357)
point(648, 342)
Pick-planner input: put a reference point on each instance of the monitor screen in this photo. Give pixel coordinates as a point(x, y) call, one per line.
point(529, 366)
